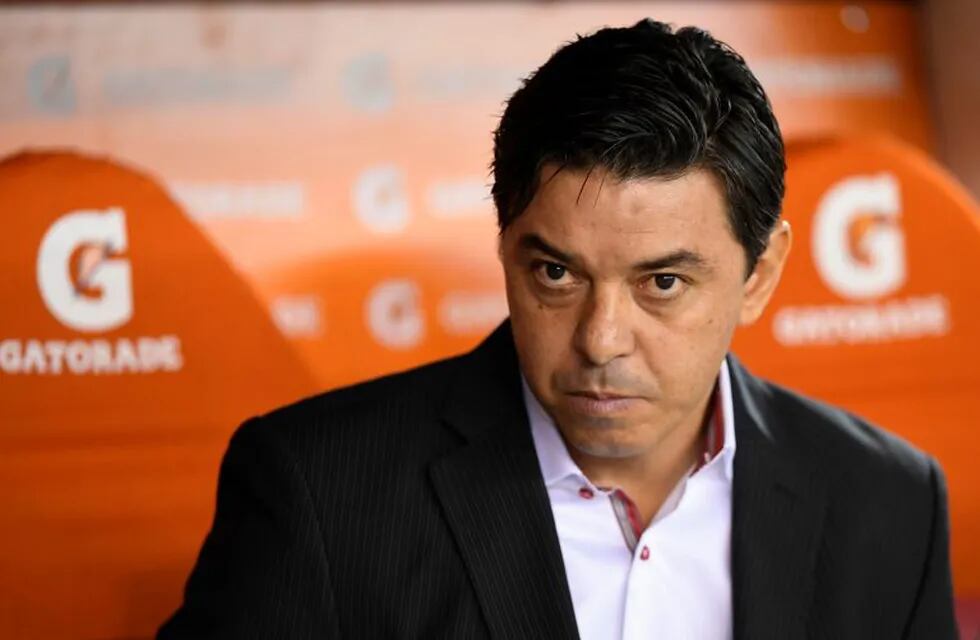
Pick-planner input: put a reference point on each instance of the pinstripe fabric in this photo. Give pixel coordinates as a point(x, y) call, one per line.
point(412, 506)
point(839, 529)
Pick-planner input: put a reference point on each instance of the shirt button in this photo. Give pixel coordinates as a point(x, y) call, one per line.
point(586, 493)
point(645, 553)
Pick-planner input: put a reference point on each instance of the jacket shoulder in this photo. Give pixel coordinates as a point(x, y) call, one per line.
point(374, 413)
point(841, 442)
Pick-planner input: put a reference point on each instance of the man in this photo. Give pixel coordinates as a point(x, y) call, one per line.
point(597, 467)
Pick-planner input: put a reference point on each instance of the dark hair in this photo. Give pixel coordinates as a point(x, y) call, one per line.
point(640, 102)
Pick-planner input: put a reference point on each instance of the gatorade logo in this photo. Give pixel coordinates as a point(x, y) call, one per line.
point(86, 284)
point(859, 252)
point(394, 314)
point(858, 245)
point(380, 201)
point(82, 278)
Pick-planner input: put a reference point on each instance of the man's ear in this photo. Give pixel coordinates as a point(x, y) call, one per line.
point(765, 276)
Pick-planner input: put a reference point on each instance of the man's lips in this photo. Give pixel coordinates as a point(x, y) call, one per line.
point(601, 395)
point(600, 403)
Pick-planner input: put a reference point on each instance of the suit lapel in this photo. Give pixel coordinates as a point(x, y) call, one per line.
point(496, 503)
point(778, 506)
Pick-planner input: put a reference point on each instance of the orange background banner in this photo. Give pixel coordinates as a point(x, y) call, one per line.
point(263, 202)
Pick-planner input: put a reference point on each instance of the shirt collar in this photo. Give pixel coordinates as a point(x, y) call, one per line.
point(556, 464)
point(727, 453)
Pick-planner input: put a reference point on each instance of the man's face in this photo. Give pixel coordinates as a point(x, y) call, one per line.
point(623, 299)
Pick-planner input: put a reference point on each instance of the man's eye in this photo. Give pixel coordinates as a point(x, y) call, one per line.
point(552, 274)
point(665, 282)
point(554, 271)
point(665, 286)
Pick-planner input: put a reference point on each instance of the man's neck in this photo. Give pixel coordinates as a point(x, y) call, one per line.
point(649, 478)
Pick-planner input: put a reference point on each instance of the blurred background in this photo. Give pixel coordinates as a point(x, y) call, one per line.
point(212, 209)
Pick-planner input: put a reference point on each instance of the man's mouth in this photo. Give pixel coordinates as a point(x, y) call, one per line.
point(600, 403)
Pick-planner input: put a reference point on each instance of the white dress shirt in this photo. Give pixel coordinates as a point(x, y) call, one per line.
point(671, 580)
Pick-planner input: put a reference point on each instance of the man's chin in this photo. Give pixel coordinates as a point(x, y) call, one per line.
point(606, 448)
point(601, 437)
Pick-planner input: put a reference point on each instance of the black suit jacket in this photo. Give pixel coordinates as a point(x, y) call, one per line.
point(413, 506)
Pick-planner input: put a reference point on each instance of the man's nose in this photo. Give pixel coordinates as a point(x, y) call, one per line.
point(605, 330)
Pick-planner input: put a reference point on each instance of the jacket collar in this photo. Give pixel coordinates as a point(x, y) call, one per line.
point(496, 503)
point(778, 506)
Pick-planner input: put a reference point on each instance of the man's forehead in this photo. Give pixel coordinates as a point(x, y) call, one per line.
point(588, 212)
point(597, 201)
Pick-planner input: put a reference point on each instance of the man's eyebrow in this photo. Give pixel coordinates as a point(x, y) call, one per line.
point(680, 258)
point(532, 241)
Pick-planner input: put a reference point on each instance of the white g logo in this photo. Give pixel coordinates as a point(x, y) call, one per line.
point(393, 314)
point(380, 202)
point(872, 262)
point(101, 234)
